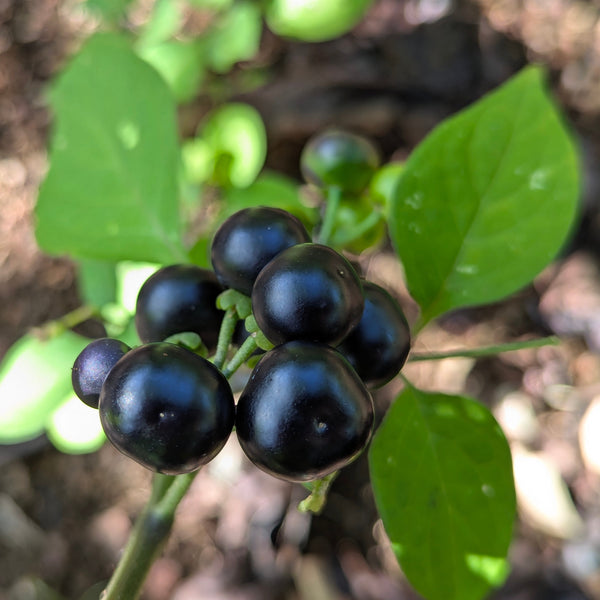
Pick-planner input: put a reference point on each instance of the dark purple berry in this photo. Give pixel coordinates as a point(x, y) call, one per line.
point(93, 365)
point(304, 412)
point(378, 346)
point(308, 292)
point(167, 408)
point(248, 240)
point(176, 299)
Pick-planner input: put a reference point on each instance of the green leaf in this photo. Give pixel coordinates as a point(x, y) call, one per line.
point(442, 477)
point(212, 4)
point(97, 282)
point(200, 252)
point(35, 377)
point(486, 200)
point(180, 64)
point(75, 428)
point(110, 10)
point(131, 276)
point(312, 21)
point(163, 23)
point(235, 37)
point(270, 189)
point(111, 192)
point(236, 136)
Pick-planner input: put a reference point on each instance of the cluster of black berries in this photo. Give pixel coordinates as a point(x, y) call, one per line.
point(305, 411)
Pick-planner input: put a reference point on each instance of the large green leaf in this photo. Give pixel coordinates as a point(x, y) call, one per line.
point(442, 476)
point(97, 282)
point(487, 199)
point(111, 191)
point(35, 377)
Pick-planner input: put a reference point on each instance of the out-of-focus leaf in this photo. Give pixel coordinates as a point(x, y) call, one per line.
point(236, 136)
point(97, 282)
point(235, 36)
point(75, 428)
point(163, 23)
point(111, 192)
point(110, 10)
point(130, 278)
point(312, 21)
point(181, 64)
point(35, 377)
point(270, 189)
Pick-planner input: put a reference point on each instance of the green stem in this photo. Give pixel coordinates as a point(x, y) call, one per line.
point(334, 196)
point(240, 357)
point(484, 350)
point(225, 334)
point(160, 484)
point(358, 231)
point(68, 321)
point(319, 490)
point(153, 526)
point(145, 543)
point(148, 536)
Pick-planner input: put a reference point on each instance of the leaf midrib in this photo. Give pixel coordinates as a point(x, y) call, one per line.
point(433, 310)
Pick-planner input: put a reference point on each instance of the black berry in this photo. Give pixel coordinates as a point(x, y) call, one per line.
point(308, 292)
point(304, 412)
point(378, 346)
point(167, 408)
point(176, 299)
point(93, 365)
point(248, 240)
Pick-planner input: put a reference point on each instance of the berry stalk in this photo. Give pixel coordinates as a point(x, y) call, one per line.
point(154, 524)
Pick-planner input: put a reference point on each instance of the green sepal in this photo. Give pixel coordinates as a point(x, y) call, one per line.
point(232, 298)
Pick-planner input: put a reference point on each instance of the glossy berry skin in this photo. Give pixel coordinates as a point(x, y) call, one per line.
point(308, 292)
point(304, 412)
point(176, 299)
point(167, 408)
point(93, 365)
point(248, 240)
point(378, 346)
point(341, 159)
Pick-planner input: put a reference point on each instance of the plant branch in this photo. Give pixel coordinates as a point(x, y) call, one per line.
point(68, 321)
point(484, 350)
point(145, 543)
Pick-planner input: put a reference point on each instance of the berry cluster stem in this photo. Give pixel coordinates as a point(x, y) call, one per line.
point(146, 540)
point(240, 357)
point(154, 524)
point(225, 334)
point(334, 195)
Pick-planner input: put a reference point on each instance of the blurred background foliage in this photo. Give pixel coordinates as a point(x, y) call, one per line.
point(248, 98)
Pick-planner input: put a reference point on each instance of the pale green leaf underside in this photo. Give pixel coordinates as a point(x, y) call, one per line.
point(442, 477)
point(35, 377)
point(111, 191)
point(486, 200)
